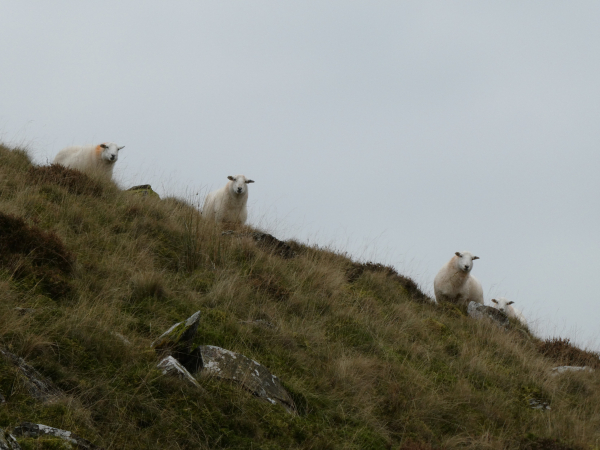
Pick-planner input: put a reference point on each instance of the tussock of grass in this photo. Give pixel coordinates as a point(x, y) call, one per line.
point(565, 353)
point(370, 362)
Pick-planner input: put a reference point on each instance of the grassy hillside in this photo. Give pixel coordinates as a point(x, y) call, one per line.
point(368, 360)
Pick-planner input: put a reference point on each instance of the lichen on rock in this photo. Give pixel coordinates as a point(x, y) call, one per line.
point(255, 377)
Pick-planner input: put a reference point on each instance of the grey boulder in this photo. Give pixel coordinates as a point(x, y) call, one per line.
point(33, 430)
point(38, 386)
point(478, 311)
point(254, 377)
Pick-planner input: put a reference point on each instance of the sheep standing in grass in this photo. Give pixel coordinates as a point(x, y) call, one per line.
point(99, 159)
point(506, 307)
point(454, 282)
point(228, 204)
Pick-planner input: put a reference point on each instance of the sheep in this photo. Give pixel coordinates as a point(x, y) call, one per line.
point(99, 159)
point(506, 307)
point(454, 283)
point(228, 204)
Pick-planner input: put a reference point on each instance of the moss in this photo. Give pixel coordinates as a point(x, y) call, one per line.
point(44, 443)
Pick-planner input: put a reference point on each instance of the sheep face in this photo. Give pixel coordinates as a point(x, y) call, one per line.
point(110, 152)
point(501, 303)
point(238, 184)
point(464, 261)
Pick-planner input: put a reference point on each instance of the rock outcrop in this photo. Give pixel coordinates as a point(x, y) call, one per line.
point(182, 359)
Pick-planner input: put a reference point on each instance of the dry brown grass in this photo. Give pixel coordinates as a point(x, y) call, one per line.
point(369, 361)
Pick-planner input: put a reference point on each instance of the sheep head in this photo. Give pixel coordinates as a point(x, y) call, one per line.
point(464, 261)
point(238, 184)
point(109, 152)
point(501, 303)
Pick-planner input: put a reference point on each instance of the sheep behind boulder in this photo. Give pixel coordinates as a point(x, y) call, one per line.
point(504, 305)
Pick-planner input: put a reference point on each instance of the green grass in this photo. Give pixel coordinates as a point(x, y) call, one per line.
point(369, 362)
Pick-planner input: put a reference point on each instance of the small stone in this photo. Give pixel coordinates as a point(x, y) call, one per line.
point(122, 338)
point(538, 404)
point(171, 366)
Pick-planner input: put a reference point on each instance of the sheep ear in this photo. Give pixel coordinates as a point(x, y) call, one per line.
point(475, 257)
point(510, 303)
point(120, 148)
point(495, 301)
point(249, 181)
point(230, 178)
point(458, 254)
point(103, 145)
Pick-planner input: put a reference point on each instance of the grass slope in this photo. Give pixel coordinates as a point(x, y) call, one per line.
point(369, 362)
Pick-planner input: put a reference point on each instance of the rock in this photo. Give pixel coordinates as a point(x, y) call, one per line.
point(478, 311)
point(144, 190)
point(8, 441)
point(538, 404)
point(178, 341)
point(171, 366)
point(563, 369)
point(32, 430)
point(122, 338)
point(267, 241)
point(38, 386)
point(253, 376)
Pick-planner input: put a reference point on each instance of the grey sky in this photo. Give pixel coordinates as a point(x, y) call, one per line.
point(399, 131)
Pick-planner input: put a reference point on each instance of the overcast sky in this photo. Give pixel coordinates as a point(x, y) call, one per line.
point(397, 131)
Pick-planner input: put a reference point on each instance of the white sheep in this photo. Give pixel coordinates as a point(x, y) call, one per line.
point(506, 307)
point(228, 204)
point(98, 159)
point(454, 282)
